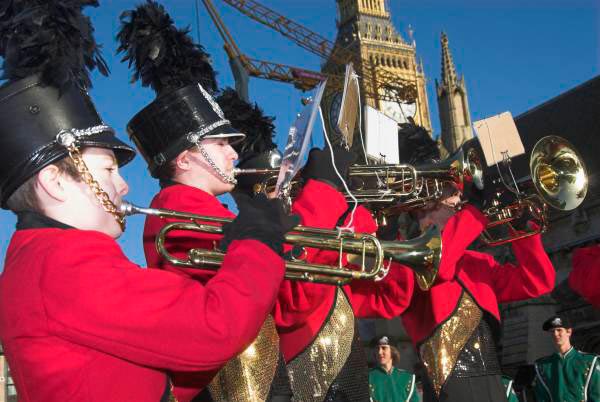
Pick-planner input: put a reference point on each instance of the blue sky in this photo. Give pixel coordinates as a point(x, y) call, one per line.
point(514, 55)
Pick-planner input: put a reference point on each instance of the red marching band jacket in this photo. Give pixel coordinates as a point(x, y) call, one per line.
point(487, 281)
point(79, 321)
point(301, 307)
point(585, 276)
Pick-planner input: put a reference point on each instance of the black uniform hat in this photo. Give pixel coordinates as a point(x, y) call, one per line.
point(48, 49)
point(383, 341)
point(257, 151)
point(557, 321)
point(178, 70)
point(416, 145)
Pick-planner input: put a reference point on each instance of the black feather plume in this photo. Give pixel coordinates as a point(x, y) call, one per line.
point(416, 145)
point(51, 38)
point(250, 120)
point(164, 57)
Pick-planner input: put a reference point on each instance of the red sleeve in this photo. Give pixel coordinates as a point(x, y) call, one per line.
point(318, 205)
point(460, 231)
point(383, 299)
point(532, 276)
point(585, 276)
point(95, 297)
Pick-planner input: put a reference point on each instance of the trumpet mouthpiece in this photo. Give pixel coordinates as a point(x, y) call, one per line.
point(126, 208)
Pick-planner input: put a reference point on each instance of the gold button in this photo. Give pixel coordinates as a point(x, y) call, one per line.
point(476, 345)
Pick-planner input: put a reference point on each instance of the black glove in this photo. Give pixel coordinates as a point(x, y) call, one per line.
point(521, 223)
point(319, 166)
point(474, 196)
point(260, 219)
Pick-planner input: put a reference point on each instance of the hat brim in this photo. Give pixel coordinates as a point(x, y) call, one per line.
point(548, 326)
point(106, 139)
point(226, 131)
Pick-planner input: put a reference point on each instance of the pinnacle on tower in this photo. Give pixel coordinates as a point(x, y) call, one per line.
point(448, 70)
point(452, 98)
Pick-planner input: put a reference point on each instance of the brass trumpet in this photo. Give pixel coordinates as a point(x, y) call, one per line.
point(558, 179)
point(422, 254)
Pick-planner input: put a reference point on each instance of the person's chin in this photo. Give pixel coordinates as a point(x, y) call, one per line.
point(113, 229)
point(227, 188)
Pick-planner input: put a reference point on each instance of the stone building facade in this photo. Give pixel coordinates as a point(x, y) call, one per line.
point(574, 115)
point(365, 28)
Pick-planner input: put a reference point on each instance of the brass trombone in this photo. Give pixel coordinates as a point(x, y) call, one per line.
point(558, 179)
point(422, 254)
point(408, 186)
point(402, 185)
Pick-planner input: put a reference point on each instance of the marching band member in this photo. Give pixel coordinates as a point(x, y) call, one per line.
point(585, 275)
point(78, 320)
point(315, 321)
point(454, 324)
point(568, 374)
point(388, 383)
point(187, 142)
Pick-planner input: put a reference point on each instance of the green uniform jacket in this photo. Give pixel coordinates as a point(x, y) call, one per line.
point(395, 386)
point(574, 377)
point(511, 395)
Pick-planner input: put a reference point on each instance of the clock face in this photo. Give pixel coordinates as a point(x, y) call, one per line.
point(392, 109)
point(408, 109)
point(399, 111)
point(334, 110)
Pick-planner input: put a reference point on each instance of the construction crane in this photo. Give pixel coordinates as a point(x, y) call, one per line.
point(385, 85)
point(301, 78)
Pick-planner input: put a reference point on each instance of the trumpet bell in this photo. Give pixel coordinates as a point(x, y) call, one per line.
point(423, 254)
point(558, 173)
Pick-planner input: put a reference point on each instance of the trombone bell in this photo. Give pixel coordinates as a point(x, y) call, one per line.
point(558, 179)
point(558, 173)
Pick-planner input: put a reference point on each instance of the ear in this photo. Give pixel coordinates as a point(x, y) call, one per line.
point(183, 162)
point(50, 183)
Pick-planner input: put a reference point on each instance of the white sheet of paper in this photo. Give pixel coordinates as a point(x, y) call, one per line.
point(498, 136)
point(381, 136)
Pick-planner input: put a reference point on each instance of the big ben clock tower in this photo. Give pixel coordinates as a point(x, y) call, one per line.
point(365, 29)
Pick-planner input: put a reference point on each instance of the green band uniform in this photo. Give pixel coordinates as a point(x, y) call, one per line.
point(395, 386)
point(574, 377)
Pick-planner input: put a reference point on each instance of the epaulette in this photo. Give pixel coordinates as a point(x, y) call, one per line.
point(588, 355)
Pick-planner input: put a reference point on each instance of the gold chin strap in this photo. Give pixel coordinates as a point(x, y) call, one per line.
point(87, 177)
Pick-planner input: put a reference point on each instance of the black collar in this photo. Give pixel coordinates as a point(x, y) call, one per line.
point(164, 183)
point(35, 220)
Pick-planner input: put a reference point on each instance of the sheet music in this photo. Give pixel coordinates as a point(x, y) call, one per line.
point(499, 138)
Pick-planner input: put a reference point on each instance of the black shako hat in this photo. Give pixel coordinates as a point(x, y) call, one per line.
point(557, 321)
point(46, 92)
point(383, 340)
point(179, 71)
point(416, 145)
